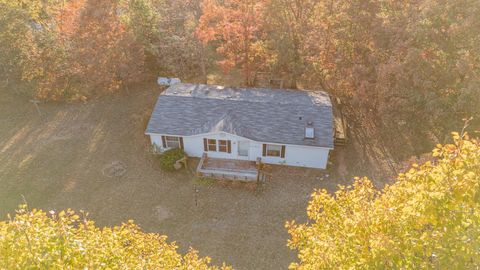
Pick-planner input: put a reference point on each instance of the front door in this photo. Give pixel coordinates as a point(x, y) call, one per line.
point(243, 147)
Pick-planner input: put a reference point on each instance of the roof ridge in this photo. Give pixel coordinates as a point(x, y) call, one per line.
point(319, 104)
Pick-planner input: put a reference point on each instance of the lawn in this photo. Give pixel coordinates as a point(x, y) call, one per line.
point(95, 157)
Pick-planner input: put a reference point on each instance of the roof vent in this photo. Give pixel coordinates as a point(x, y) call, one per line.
point(309, 131)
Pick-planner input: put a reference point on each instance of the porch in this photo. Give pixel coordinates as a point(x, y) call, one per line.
point(229, 169)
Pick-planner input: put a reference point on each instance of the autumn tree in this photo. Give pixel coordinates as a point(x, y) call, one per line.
point(104, 56)
point(166, 29)
point(345, 46)
point(49, 68)
point(434, 64)
point(400, 60)
point(236, 29)
point(429, 218)
point(16, 39)
point(185, 54)
point(30, 48)
point(288, 24)
point(142, 19)
point(65, 240)
point(68, 50)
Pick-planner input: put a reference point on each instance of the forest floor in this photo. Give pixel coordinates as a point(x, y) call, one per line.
point(95, 157)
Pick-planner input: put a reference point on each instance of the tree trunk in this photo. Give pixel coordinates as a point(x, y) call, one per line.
point(203, 68)
point(247, 61)
point(296, 63)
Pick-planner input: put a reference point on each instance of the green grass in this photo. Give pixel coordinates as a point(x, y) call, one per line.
point(204, 181)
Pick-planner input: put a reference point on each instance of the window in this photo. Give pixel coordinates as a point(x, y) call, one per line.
point(222, 146)
point(212, 145)
point(273, 150)
point(309, 133)
point(172, 142)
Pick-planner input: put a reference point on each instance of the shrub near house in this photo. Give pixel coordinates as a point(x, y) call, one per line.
point(170, 157)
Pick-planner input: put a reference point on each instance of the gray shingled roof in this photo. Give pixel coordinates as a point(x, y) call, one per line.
point(265, 115)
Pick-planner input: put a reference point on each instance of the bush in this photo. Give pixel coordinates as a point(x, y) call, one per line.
point(169, 157)
point(66, 240)
point(428, 219)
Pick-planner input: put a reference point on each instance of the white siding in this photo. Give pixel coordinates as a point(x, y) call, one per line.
point(304, 156)
point(156, 140)
point(295, 155)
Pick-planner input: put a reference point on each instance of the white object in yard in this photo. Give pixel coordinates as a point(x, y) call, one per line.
point(165, 81)
point(177, 166)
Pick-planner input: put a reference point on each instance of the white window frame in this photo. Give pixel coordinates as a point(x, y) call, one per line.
point(172, 142)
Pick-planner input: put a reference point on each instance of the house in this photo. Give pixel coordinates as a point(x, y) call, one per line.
point(290, 127)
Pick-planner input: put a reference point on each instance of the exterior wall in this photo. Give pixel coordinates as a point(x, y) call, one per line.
point(193, 145)
point(304, 156)
point(295, 155)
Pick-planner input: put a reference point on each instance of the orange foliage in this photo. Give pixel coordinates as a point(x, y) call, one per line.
point(95, 53)
point(236, 27)
point(67, 19)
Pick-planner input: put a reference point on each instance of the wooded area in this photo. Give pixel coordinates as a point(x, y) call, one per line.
point(409, 66)
point(406, 73)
